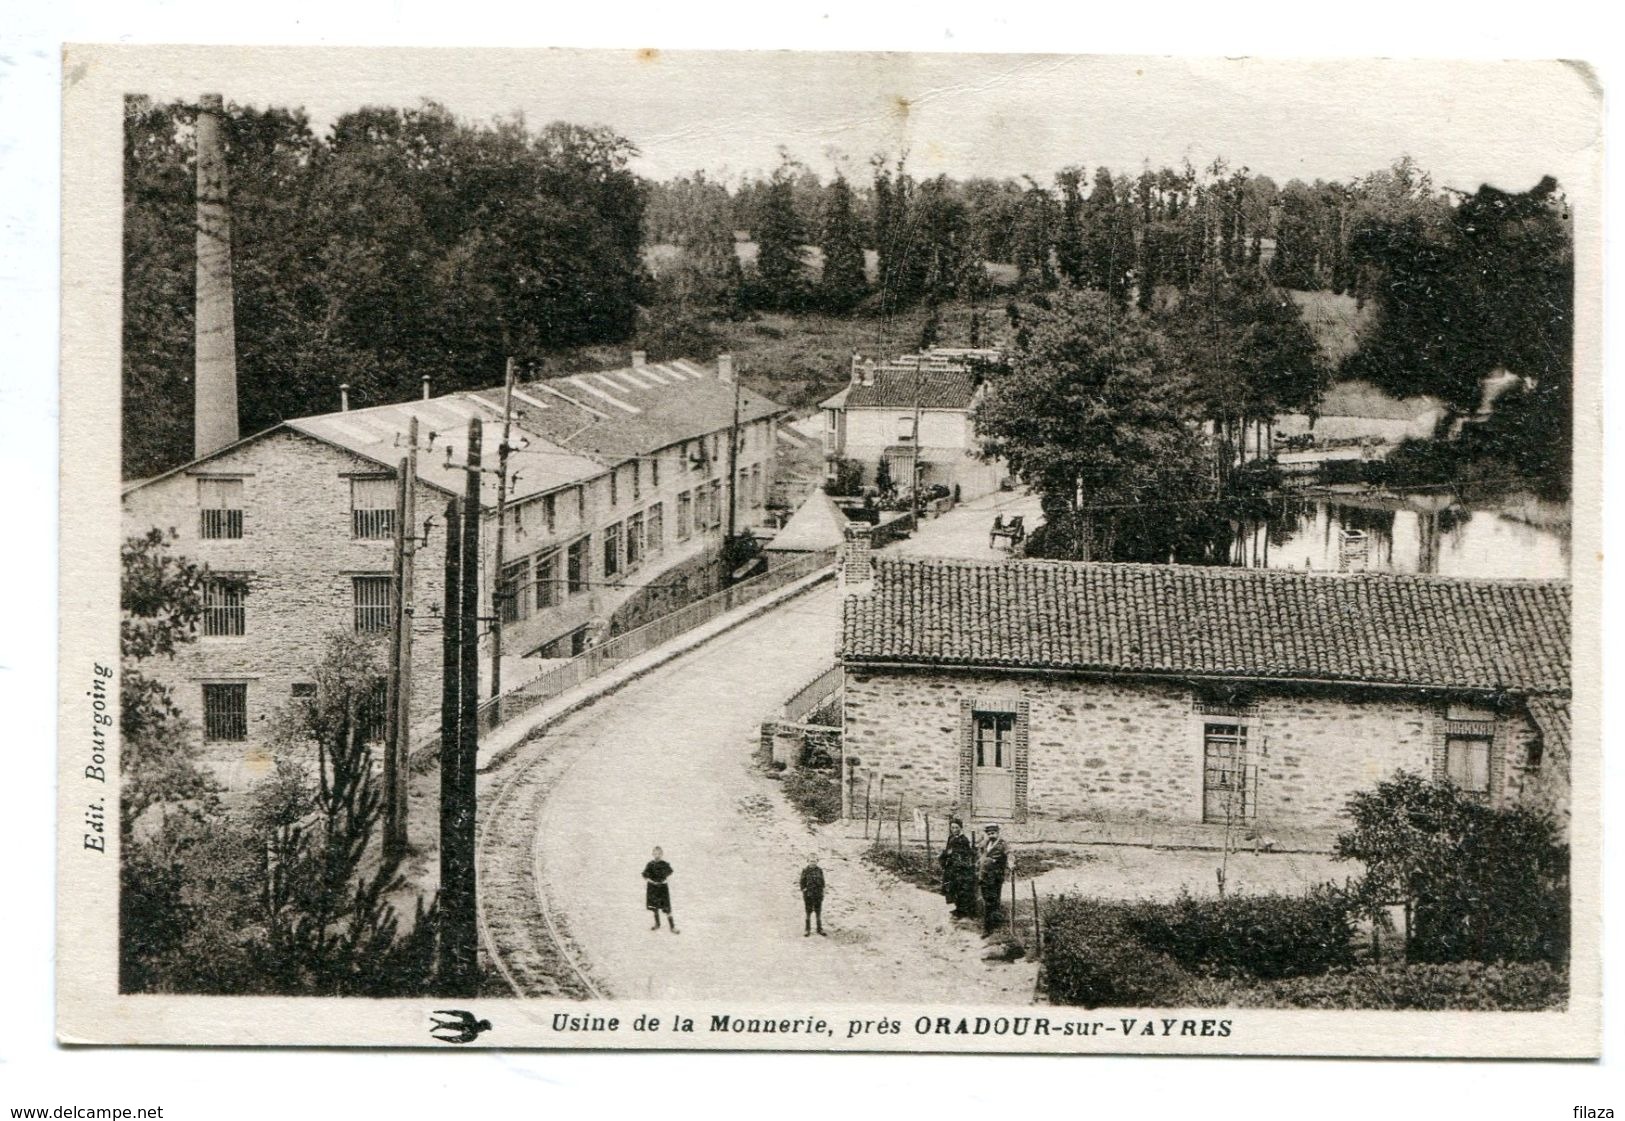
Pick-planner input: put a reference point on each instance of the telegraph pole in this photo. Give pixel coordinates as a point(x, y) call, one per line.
point(461, 905)
point(730, 550)
point(453, 862)
point(503, 592)
point(394, 733)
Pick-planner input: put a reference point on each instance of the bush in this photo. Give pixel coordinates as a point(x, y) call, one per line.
point(815, 794)
point(1265, 936)
point(1483, 884)
point(1094, 959)
point(1463, 986)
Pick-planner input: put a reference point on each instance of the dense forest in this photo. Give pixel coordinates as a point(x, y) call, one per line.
point(406, 242)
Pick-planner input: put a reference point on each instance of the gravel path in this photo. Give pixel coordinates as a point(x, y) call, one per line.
point(666, 761)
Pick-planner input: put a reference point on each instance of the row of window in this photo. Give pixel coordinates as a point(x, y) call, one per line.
point(372, 502)
point(225, 710)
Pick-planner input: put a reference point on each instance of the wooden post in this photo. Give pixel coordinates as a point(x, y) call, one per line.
point(501, 595)
point(450, 733)
point(1012, 898)
point(928, 840)
point(458, 895)
point(394, 831)
point(409, 547)
point(868, 788)
point(899, 825)
point(1038, 931)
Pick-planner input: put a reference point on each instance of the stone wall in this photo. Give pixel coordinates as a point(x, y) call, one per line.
point(1104, 750)
point(298, 556)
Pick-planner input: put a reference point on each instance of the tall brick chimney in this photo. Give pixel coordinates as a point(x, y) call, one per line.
point(215, 404)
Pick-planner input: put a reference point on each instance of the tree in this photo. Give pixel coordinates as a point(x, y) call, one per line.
point(1478, 883)
point(780, 270)
point(844, 282)
point(402, 242)
point(161, 598)
point(1088, 414)
point(1248, 354)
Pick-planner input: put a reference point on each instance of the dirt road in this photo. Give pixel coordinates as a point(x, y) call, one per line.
point(666, 761)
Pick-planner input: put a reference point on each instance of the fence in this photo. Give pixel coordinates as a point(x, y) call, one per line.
point(813, 696)
point(607, 655)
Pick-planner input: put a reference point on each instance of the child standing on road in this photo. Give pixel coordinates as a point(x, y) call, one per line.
point(812, 895)
point(657, 896)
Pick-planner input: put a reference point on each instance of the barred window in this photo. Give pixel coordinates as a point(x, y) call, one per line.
point(637, 480)
point(548, 592)
point(372, 508)
point(224, 608)
point(614, 486)
point(612, 549)
point(371, 604)
point(654, 529)
point(685, 515)
point(654, 473)
point(576, 565)
point(513, 591)
point(550, 511)
point(220, 508)
point(634, 539)
point(716, 503)
point(372, 714)
point(225, 712)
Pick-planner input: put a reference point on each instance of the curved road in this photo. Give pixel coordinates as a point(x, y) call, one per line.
point(666, 761)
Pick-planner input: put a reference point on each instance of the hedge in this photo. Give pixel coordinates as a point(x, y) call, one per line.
point(1266, 936)
point(1468, 986)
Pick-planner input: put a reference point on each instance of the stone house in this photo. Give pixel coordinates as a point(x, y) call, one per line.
point(1133, 699)
point(914, 408)
point(617, 506)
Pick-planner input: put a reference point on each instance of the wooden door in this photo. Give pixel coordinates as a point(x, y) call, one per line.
point(994, 776)
point(1228, 784)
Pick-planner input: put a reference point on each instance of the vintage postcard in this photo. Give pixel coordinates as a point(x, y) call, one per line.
point(796, 551)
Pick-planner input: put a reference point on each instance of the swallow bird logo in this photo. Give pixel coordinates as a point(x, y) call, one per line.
point(456, 1026)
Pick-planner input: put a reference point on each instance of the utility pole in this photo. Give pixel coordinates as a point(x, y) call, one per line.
point(394, 840)
point(503, 593)
point(453, 862)
point(914, 490)
point(461, 906)
point(398, 738)
point(730, 550)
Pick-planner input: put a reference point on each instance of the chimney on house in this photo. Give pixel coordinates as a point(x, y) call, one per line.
point(857, 570)
point(214, 423)
point(857, 368)
point(344, 397)
point(725, 367)
point(640, 358)
point(427, 388)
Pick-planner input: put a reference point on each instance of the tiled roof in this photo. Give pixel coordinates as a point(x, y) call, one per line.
point(1551, 716)
point(897, 389)
point(1223, 622)
point(616, 414)
point(818, 524)
point(379, 434)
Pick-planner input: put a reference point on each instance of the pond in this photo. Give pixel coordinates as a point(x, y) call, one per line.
point(1510, 536)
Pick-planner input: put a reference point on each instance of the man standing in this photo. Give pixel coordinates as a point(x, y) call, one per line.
point(812, 895)
point(958, 860)
point(990, 872)
point(657, 896)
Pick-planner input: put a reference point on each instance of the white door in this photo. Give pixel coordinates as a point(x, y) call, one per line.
point(993, 793)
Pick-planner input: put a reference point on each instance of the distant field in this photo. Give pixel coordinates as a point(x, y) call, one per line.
point(1336, 321)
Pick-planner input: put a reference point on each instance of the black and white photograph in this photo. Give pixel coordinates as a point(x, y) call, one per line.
point(683, 550)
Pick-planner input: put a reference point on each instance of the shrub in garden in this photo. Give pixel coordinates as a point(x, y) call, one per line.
point(1482, 884)
point(1266, 936)
point(1460, 986)
point(1093, 958)
point(816, 794)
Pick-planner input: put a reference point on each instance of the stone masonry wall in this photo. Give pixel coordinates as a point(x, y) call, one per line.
point(298, 555)
point(1101, 750)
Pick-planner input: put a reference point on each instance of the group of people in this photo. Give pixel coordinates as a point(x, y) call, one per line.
point(657, 893)
point(972, 881)
point(974, 874)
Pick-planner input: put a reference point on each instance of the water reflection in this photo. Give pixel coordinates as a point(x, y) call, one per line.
point(1513, 536)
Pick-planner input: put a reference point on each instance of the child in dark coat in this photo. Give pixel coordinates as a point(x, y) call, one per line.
point(657, 896)
point(812, 895)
